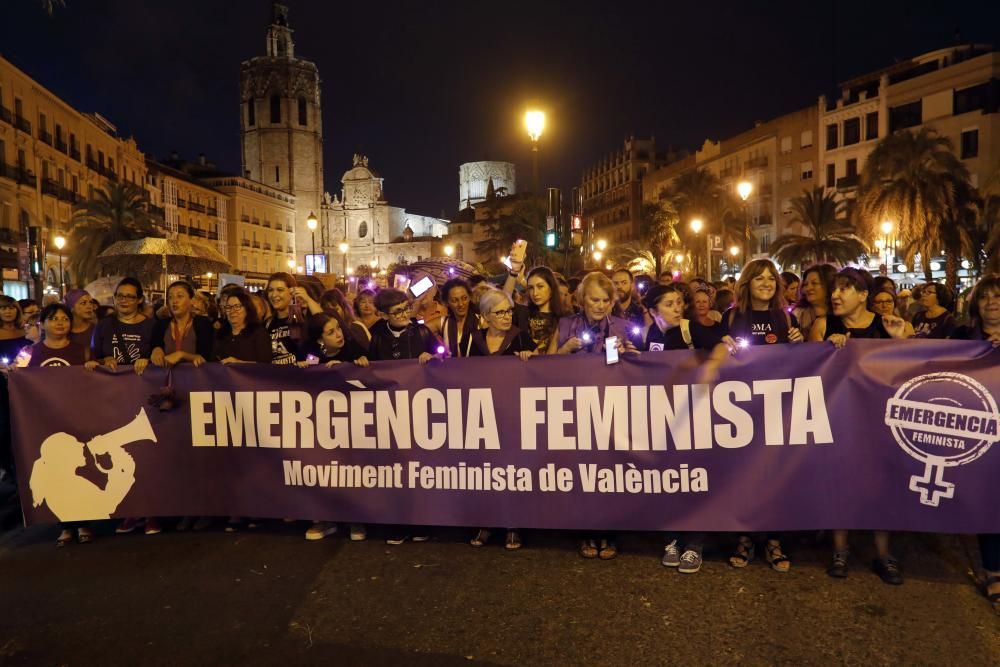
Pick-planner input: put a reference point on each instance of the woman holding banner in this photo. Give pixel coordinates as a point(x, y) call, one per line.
point(815, 299)
point(540, 316)
point(190, 336)
point(851, 317)
point(456, 328)
point(984, 324)
point(242, 338)
point(588, 333)
point(759, 318)
point(286, 324)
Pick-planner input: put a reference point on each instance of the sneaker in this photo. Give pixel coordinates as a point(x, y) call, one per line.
point(127, 526)
point(690, 562)
point(202, 523)
point(320, 529)
point(888, 570)
point(396, 540)
point(838, 566)
point(153, 526)
point(358, 532)
point(671, 555)
point(421, 538)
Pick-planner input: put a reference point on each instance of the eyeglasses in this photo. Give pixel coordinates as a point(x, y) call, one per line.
point(127, 297)
point(402, 310)
point(883, 302)
point(503, 313)
point(233, 309)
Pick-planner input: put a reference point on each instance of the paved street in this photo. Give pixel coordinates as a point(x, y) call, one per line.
point(267, 597)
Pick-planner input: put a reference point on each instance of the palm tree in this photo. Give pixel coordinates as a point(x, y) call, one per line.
point(916, 180)
point(699, 193)
point(831, 237)
point(115, 213)
point(658, 231)
point(987, 234)
point(525, 220)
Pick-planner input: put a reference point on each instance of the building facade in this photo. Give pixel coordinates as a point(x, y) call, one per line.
point(51, 158)
point(376, 233)
point(612, 190)
point(281, 125)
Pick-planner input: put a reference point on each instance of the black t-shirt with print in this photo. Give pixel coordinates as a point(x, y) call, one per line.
point(285, 337)
point(759, 327)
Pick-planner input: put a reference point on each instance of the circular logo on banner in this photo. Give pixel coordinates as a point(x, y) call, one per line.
point(942, 420)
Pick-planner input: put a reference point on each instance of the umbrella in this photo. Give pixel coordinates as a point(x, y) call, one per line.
point(440, 269)
point(102, 290)
point(149, 257)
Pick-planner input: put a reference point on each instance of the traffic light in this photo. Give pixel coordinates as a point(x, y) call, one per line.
point(36, 253)
point(551, 239)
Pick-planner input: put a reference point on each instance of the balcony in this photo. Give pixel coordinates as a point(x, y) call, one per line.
point(23, 124)
point(847, 182)
point(214, 212)
point(267, 246)
point(156, 211)
point(256, 244)
point(278, 248)
point(244, 218)
point(213, 236)
point(267, 224)
point(182, 229)
point(196, 207)
point(61, 146)
point(256, 221)
point(756, 163)
point(763, 220)
point(245, 243)
point(181, 203)
point(74, 152)
point(45, 137)
point(6, 116)
point(20, 174)
point(50, 187)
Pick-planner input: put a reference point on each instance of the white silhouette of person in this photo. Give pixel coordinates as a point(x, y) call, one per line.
point(69, 496)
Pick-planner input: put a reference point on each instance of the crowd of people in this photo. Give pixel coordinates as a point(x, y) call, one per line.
point(539, 312)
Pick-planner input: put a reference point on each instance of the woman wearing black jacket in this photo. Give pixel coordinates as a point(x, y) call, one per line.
point(500, 336)
point(184, 337)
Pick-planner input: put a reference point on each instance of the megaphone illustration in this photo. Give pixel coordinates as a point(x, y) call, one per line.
point(136, 430)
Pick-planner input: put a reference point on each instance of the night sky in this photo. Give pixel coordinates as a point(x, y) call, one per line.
point(421, 87)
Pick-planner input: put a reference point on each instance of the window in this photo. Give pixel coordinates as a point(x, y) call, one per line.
point(971, 99)
point(871, 126)
point(362, 229)
point(303, 112)
point(786, 145)
point(831, 175)
point(765, 242)
point(100, 159)
point(852, 168)
point(806, 170)
point(18, 108)
point(970, 143)
point(852, 131)
point(111, 164)
point(277, 174)
point(275, 109)
point(76, 184)
point(831, 136)
point(251, 112)
point(786, 174)
point(43, 122)
point(907, 115)
point(806, 140)
point(22, 159)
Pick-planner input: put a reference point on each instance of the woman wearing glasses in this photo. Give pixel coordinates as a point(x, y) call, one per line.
point(884, 305)
point(500, 336)
point(397, 335)
point(125, 339)
point(242, 339)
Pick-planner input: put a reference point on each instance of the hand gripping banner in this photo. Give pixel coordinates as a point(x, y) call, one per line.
point(878, 435)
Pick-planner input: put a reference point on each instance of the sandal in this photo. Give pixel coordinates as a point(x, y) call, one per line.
point(608, 550)
point(65, 537)
point(84, 536)
point(588, 548)
point(994, 598)
point(481, 538)
point(513, 541)
point(778, 561)
point(744, 553)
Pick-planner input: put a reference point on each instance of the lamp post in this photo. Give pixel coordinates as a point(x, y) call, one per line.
point(449, 250)
point(60, 243)
point(744, 189)
point(887, 228)
point(534, 121)
point(311, 223)
point(208, 282)
point(696, 227)
point(344, 247)
point(734, 251)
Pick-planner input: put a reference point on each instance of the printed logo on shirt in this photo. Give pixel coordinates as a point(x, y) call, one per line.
point(126, 347)
point(771, 338)
point(656, 347)
point(54, 361)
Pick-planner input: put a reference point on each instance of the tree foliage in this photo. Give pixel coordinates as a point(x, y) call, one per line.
point(830, 238)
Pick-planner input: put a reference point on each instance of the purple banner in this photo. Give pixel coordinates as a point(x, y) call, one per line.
point(878, 435)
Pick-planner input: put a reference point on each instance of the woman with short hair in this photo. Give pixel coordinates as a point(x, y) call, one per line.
point(84, 309)
point(289, 308)
point(884, 303)
point(364, 310)
point(125, 339)
point(184, 337)
point(242, 338)
point(935, 320)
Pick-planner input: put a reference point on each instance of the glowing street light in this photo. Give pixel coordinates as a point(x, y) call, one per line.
point(312, 223)
point(344, 247)
point(602, 245)
point(534, 121)
point(696, 225)
point(886, 227)
point(734, 250)
point(60, 243)
point(291, 263)
point(744, 188)
point(679, 258)
point(598, 255)
point(449, 250)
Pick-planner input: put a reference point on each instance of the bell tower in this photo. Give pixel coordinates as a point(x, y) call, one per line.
point(281, 126)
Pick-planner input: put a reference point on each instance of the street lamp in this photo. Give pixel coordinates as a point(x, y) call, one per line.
point(602, 245)
point(291, 264)
point(887, 228)
point(597, 256)
point(344, 247)
point(449, 250)
point(208, 284)
point(696, 227)
point(534, 121)
point(311, 223)
point(60, 243)
point(734, 251)
point(744, 188)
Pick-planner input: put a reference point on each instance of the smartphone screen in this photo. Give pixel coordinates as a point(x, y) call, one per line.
point(421, 286)
point(611, 349)
point(518, 250)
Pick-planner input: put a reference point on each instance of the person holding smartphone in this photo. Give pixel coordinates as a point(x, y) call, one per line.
point(590, 332)
point(286, 324)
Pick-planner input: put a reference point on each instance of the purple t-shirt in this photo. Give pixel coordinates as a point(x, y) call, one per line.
point(73, 354)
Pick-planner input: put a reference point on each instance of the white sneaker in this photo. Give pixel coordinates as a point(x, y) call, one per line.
point(321, 529)
point(671, 555)
point(358, 532)
point(690, 562)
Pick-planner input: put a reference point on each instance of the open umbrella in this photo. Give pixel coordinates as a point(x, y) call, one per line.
point(149, 257)
point(440, 269)
point(102, 290)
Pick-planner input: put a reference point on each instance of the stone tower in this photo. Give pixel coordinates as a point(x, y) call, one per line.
point(281, 128)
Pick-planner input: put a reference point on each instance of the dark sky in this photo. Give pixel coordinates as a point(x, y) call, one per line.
point(421, 87)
